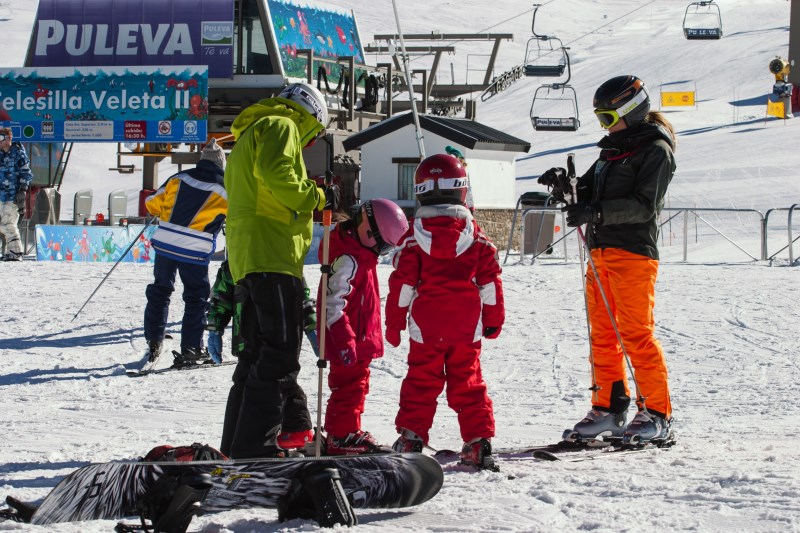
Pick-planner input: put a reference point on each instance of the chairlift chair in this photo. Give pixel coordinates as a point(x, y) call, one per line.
point(554, 92)
point(704, 10)
point(558, 92)
point(535, 62)
point(536, 57)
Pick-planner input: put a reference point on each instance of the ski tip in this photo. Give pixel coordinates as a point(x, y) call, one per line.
point(544, 455)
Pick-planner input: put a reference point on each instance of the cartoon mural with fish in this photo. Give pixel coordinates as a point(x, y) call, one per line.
point(329, 32)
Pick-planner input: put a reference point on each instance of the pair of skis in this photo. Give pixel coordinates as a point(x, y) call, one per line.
point(150, 363)
point(567, 451)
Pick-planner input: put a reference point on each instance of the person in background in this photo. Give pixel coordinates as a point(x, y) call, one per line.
point(619, 200)
point(224, 310)
point(191, 207)
point(447, 284)
point(15, 179)
point(269, 233)
point(353, 314)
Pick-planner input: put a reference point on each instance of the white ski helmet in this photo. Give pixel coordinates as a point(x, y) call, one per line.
point(310, 98)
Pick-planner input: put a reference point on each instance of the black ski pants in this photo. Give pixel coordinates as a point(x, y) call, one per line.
point(265, 397)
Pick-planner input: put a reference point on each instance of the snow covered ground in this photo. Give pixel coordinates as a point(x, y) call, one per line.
point(728, 323)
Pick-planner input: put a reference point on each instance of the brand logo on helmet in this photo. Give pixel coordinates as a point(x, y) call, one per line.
point(436, 171)
point(622, 96)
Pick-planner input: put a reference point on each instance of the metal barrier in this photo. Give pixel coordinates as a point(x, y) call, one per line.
point(763, 220)
point(529, 211)
point(695, 210)
point(790, 240)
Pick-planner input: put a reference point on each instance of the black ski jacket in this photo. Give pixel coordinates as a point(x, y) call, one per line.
point(628, 183)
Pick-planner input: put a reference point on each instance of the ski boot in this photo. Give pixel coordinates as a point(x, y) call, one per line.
point(595, 427)
point(191, 356)
point(12, 256)
point(409, 442)
point(648, 428)
point(478, 453)
point(289, 440)
point(153, 350)
point(317, 494)
point(357, 443)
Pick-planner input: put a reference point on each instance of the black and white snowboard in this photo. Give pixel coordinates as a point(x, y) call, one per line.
point(116, 490)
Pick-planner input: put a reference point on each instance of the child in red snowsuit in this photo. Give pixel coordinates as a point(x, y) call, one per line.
point(353, 306)
point(447, 284)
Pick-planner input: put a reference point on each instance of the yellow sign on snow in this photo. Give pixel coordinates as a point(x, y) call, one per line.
point(775, 109)
point(677, 99)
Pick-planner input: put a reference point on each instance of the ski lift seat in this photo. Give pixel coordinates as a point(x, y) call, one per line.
point(541, 71)
point(707, 31)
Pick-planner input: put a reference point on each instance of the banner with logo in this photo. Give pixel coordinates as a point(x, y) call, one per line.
point(83, 33)
point(106, 104)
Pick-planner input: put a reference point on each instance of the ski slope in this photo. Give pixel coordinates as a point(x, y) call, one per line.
point(728, 323)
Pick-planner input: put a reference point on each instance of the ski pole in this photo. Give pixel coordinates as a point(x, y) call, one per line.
point(135, 239)
point(573, 182)
point(325, 268)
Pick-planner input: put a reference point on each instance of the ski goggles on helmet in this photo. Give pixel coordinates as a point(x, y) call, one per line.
point(609, 117)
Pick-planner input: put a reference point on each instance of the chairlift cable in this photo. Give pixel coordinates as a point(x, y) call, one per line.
point(611, 22)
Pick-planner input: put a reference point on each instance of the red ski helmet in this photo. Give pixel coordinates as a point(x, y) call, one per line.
point(441, 179)
point(380, 224)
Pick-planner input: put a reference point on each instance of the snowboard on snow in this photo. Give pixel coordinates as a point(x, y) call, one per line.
point(106, 491)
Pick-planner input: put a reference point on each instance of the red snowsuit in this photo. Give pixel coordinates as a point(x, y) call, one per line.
point(353, 307)
point(447, 280)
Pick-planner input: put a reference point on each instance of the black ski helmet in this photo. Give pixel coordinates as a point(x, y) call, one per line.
point(626, 95)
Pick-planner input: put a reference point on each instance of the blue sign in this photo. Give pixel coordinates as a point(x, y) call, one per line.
point(78, 33)
point(106, 104)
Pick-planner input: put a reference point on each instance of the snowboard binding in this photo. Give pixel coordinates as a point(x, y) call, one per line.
point(18, 511)
point(318, 495)
point(170, 504)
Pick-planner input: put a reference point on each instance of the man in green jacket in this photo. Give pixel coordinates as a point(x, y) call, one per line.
point(269, 229)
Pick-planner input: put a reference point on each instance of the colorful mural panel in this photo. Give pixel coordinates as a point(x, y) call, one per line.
point(305, 25)
point(94, 244)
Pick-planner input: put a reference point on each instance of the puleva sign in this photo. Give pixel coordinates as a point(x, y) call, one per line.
point(134, 32)
point(118, 104)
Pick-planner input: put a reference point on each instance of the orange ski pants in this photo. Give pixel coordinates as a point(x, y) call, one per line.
point(629, 281)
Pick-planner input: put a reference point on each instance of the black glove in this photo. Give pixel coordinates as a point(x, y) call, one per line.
point(19, 199)
point(580, 214)
point(309, 315)
point(331, 198)
point(557, 181)
point(491, 332)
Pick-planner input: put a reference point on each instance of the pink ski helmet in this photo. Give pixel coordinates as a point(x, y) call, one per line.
point(380, 224)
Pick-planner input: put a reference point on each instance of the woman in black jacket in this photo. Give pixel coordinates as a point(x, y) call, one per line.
point(619, 199)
